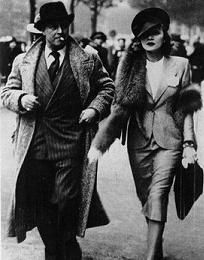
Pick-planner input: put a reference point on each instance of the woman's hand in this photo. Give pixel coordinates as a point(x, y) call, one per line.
point(94, 154)
point(189, 156)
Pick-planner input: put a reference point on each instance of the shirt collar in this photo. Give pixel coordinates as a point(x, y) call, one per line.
point(157, 63)
point(48, 51)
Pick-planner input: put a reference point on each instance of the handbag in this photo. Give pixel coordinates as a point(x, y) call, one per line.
point(188, 186)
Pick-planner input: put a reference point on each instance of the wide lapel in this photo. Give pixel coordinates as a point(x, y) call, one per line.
point(148, 87)
point(169, 77)
point(56, 82)
point(81, 65)
point(28, 66)
point(43, 80)
point(163, 83)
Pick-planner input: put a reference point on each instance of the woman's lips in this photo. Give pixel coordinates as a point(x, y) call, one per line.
point(150, 43)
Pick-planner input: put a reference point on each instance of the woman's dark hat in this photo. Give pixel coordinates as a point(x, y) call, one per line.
point(99, 35)
point(148, 18)
point(53, 12)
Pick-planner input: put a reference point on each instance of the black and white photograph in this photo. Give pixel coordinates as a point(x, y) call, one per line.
point(102, 129)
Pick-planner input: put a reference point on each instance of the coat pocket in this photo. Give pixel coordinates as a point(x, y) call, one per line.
point(173, 81)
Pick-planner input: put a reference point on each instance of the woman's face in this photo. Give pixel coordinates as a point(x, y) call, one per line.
point(153, 39)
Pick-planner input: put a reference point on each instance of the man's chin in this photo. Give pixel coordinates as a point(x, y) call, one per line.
point(59, 45)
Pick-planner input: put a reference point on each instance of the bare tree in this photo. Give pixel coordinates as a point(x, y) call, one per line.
point(95, 7)
point(32, 14)
point(32, 10)
point(71, 7)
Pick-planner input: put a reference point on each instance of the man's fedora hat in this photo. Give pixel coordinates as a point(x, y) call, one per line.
point(148, 18)
point(53, 12)
point(30, 27)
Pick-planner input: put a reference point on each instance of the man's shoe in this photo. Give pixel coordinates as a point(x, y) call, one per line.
point(74, 250)
point(49, 257)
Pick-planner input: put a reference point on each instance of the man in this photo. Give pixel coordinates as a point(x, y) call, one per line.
point(178, 48)
point(34, 33)
point(119, 52)
point(196, 59)
point(98, 40)
point(60, 93)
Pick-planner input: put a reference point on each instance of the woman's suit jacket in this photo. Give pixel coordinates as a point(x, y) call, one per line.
point(158, 119)
point(168, 117)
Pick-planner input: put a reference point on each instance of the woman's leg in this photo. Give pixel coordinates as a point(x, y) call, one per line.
point(154, 240)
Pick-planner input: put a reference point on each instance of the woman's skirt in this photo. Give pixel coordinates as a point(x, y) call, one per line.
point(153, 170)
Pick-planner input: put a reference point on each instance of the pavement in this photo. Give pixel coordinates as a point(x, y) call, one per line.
point(125, 237)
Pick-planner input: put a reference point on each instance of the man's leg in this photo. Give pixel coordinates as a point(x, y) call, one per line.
point(40, 186)
point(66, 196)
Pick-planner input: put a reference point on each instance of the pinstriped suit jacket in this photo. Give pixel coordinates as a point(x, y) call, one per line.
point(58, 134)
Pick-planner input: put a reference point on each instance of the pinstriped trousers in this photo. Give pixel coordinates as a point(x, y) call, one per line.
point(50, 201)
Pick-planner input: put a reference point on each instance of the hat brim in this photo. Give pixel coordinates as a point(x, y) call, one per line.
point(146, 28)
point(42, 23)
point(30, 28)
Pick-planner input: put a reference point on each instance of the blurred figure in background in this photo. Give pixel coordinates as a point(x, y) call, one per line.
point(9, 49)
point(178, 48)
point(35, 33)
point(84, 42)
point(120, 50)
point(98, 40)
point(196, 59)
point(13, 50)
point(111, 45)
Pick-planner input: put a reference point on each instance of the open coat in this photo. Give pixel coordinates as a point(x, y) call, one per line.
point(96, 91)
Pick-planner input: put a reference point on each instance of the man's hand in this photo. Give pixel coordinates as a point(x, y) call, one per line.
point(30, 102)
point(88, 115)
point(189, 156)
point(93, 155)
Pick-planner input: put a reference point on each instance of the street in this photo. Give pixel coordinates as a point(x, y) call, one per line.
point(125, 236)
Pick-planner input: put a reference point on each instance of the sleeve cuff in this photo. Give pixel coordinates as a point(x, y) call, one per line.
point(21, 108)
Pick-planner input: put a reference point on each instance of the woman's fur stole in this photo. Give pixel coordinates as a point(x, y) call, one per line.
point(130, 95)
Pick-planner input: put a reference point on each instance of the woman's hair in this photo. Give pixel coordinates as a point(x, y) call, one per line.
point(166, 47)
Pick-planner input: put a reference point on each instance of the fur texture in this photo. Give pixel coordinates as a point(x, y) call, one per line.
point(111, 127)
point(190, 99)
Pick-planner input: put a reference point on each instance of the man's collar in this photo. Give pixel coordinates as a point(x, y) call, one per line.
point(48, 51)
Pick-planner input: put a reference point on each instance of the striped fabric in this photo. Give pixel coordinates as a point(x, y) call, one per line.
point(57, 134)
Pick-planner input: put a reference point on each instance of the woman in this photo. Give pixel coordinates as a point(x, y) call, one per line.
point(154, 97)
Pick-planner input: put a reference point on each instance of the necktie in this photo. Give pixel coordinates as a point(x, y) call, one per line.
point(54, 65)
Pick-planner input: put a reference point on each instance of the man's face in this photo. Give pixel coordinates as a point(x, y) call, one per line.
point(56, 35)
point(121, 43)
point(98, 41)
point(12, 44)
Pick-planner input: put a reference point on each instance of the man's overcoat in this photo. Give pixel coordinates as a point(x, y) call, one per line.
point(96, 91)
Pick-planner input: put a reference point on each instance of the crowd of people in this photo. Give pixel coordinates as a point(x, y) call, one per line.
point(62, 87)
